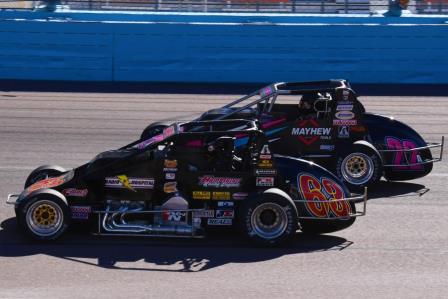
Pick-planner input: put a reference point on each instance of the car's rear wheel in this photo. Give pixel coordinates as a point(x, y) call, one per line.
point(152, 130)
point(360, 167)
point(270, 219)
point(44, 215)
point(42, 173)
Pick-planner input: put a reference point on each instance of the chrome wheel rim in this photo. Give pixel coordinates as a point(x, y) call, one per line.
point(269, 220)
point(357, 168)
point(44, 218)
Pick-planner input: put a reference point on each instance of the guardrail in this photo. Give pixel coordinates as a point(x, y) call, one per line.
point(233, 6)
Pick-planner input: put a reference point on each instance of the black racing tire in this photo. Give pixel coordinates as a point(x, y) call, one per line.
point(324, 226)
point(43, 172)
point(152, 130)
point(359, 167)
point(44, 215)
point(269, 220)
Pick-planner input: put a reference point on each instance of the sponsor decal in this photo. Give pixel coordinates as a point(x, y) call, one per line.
point(325, 190)
point(47, 183)
point(75, 192)
point(308, 131)
point(170, 163)
point(265, 163)
point(225, 203)
point(150, 141)
point(204, 214)
point(221, 195)
point(265, 171)
point(170, 187)
point(344, 115)
point(170, 176)
point(264, 181)
point(239, 196)
point(122, 181)
point(402, 158)
point(225, 214)
point(267, 157)
point(214, 221)
point(345, 122)
point(219, 182)
point(265, 150)
point(174, 216)
point(344, 107)
point(343, 132)
point(345, 94)
point(169, 131)
point(327, 147)
point(169, 169)
point(80, 212)
point(201, 195)
point(266, 91)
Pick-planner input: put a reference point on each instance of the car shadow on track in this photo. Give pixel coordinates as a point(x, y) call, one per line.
point(385, 189)
point(143, 254)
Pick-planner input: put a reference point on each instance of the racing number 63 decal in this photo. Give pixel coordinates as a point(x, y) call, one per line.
point(313, 189)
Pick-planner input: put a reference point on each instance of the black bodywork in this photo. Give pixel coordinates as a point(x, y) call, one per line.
point(187, 178)
point(336, 121)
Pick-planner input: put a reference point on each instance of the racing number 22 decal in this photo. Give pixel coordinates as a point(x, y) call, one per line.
point(401, 157)
point(324, 189)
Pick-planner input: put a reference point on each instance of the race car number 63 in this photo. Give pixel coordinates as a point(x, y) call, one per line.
point(324, 189)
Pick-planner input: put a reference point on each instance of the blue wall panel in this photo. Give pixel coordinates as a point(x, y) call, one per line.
point(170, 48)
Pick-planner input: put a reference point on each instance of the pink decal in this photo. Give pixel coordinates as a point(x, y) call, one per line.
point(273, 123)
point(195, 143)
point(402, 157)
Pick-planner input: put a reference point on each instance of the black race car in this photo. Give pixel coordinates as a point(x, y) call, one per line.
point(325, 122)
point(183, 181)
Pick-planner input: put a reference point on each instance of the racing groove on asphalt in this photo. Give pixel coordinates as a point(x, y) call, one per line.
point(400, 249)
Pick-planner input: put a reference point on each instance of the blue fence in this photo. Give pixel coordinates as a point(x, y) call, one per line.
point(94, 46)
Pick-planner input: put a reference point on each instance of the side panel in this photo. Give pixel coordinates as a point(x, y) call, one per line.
point(389, 134)
point(310, 182)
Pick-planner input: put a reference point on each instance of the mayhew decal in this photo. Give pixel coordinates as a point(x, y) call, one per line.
point(311, 131)
point(308, 131)
point(219, 182)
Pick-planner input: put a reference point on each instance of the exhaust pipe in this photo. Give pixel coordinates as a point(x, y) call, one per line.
point(109, 224)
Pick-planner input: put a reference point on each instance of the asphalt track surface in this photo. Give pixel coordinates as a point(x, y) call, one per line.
point(399, 250)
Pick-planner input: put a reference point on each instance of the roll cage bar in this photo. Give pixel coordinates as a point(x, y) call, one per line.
point(268, 94)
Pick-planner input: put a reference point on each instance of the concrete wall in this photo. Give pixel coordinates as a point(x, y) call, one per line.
point(88, 46)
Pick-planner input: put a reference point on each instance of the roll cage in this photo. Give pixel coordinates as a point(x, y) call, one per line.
point(266, 97)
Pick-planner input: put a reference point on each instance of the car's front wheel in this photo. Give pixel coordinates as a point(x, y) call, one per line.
point(359, 167)
point(270, 219)
point(44, 215)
